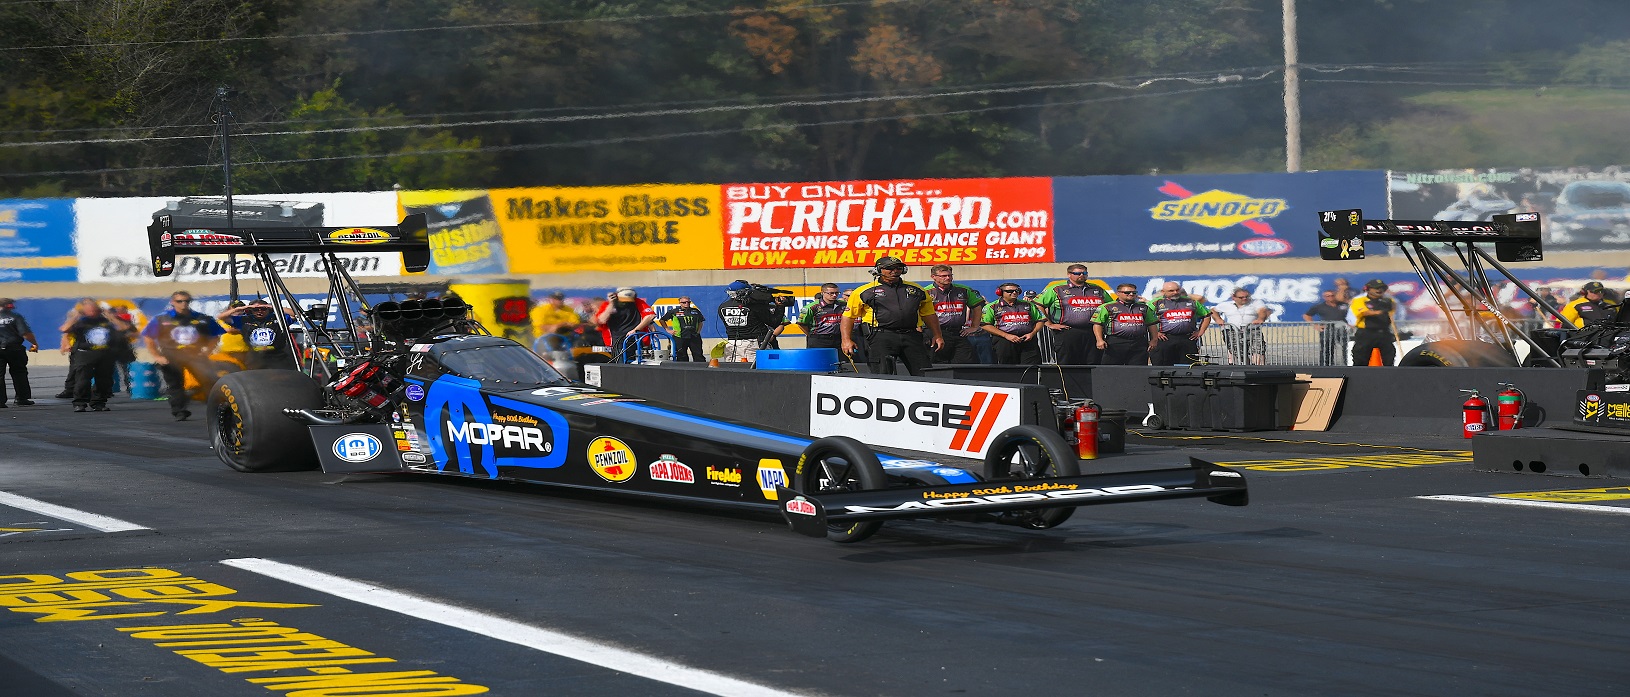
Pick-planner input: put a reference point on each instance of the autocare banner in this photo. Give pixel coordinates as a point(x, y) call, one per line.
point(1580, 208)
point(922, 221)
point(609, 228)
point(37, 240)
point(1214, 216)
point(111, 236)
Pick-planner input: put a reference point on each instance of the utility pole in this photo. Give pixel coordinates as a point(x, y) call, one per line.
point(1293, 93)
point(223, 96)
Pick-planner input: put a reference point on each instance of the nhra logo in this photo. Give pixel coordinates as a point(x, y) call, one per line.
point(507, 435)
point(611, 459)
point(1218, 209)
point(359, 235)
point(1264, 247)
point(1591, 408)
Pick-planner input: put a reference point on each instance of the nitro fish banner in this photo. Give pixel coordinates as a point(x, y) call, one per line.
point(922, 221)
point(609, 228)
point(1216, 216)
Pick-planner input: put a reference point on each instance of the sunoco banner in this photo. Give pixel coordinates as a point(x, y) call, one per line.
point(1216, 216)
point(37, 240)
point(609, 228)
point(112, 240)
point(1580, 208)
point(922, 221)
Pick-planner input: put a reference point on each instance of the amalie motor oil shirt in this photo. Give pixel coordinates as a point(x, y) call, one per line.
point(1017, 318)
point(1125, 320)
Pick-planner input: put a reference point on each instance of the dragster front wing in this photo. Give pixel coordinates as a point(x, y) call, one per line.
point(809, 514)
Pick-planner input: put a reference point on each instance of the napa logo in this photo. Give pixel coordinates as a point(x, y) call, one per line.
point(359, 235)
point(1218, 209)
point(770, 476)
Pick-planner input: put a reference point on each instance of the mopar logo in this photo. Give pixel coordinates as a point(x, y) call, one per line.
point(523, 437)
point(953, 416)
point(357, 447)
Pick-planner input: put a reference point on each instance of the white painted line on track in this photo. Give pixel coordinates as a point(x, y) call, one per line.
point(1584, 507)
point(72, 515)
point(546, 640)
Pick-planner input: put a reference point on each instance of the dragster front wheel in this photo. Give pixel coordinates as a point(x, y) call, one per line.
point(840, 463)
point(1031, 452)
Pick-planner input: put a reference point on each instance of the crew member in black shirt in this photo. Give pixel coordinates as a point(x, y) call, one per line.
point(1331, 314)
point(750, 324)
point(686, 322)
point(821, 318)
point(899, 311)
point(93, 338)
point(13, 332)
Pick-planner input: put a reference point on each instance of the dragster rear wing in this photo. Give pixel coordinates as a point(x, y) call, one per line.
point(809, 513)
point(1342, 234)
point(411, 237)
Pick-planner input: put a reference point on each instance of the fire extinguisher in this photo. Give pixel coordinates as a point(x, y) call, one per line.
point(1476, 414)
point(1086, 431)
point(1508, 406)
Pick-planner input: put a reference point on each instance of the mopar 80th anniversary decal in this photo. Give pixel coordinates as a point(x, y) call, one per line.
point(468, 429)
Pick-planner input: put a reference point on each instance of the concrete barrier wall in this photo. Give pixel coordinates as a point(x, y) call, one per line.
point(1374, 400)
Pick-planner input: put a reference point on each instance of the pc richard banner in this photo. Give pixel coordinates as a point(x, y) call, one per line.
point(1208, 216)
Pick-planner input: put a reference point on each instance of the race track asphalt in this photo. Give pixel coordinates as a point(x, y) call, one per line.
point(1336, 580)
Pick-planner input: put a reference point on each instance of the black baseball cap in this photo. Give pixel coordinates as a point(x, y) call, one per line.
point(1593, 287)
point(1376, 283)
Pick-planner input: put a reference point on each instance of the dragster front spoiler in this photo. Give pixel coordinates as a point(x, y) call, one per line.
point(809, 514)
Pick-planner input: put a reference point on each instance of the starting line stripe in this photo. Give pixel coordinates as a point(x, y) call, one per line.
point(548, 641)
point(73, 515)
point(1588, 508)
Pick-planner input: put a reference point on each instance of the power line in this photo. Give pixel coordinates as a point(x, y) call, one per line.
point(694, 111)
point(467, 27)
point(654, 137)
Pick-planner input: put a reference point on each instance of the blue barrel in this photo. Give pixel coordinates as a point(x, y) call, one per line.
point(144, 381)
point(819, 360)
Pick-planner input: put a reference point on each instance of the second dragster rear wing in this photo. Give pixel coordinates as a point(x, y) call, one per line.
point(1342, 234)
point(411, 237)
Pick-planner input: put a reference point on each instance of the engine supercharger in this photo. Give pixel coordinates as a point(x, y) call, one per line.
point(1508, 406)
point(1474, 414)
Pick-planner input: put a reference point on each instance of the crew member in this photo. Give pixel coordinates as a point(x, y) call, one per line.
point(1182, 321)
point(820, 319)
point(552, 316)
point(92, 337)
point(1331, 315)
point(1591, 307)
point(623, 313)
point(1071, 305)
point(898, 311)
point(262, 334)
point(181, 341)
point(14, 331)
point(1014, 322)
point(686, 322)
point(1122, 328)
point(959, 310)
point(749, 323)
point(1373, 313)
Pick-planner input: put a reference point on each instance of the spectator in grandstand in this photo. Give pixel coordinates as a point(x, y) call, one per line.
point(1242, 319)
point(623, 313)
point(1374, 313)
point(686, 323)
point(1122, 328)
point(1182, 320)
point(1591, 307)
point(1331, 314)
point(1344, 291)
point(821, 319)
point(1014, 322)
point(959, 311)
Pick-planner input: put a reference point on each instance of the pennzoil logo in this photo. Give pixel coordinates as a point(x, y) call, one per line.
point(1591, 408)
point(1218, 209)
point(359, 235)
point(612, 459)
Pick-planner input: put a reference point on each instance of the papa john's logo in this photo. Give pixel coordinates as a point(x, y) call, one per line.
point(1218, 209)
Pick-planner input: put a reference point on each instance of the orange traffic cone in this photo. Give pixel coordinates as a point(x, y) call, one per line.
point(1375, 357)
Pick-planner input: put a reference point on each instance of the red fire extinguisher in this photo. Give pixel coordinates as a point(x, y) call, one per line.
point(1508, 406)
point(1476, 414)
point(1086, 431)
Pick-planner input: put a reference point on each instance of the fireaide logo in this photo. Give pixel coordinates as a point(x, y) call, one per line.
point(967, 427)
point(1218, 209)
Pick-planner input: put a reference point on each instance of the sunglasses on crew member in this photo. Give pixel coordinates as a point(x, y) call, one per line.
point(1078, 273)
point(1009, 290)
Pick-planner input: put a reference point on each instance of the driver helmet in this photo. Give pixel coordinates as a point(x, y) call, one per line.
point(737, 288)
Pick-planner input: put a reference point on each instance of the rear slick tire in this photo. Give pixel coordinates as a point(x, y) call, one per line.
point(1031, 452)
point(840, 463)
point(247, 426)
point(1457, 353)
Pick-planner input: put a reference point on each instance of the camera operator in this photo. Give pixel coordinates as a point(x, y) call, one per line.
point(753, 317)
point(899, 310)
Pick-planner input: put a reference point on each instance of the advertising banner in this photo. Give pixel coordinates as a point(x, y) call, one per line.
point(111, 237)
point(922, 221)
point(609, 228)
point(1212, 216)
point(1581, 208)
point(37, 240)
point(928, 416)
point(464, 234)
